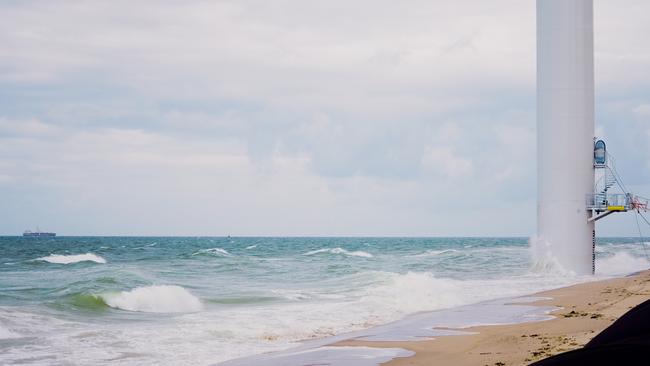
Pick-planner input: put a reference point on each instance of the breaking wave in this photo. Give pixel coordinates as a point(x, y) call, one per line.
point(154, 299)
point(357, 253)
point(621, 263)
point(213, 251)
point(69, 259)
point(616, 264)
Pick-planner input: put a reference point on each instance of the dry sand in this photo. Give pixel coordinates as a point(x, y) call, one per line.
point(585, 310)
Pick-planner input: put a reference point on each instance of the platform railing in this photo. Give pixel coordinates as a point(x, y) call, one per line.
point(610, 202)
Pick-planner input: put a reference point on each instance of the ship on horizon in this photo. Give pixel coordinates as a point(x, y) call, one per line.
point(38, 234)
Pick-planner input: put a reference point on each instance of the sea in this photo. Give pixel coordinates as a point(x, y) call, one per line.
point(206, 300)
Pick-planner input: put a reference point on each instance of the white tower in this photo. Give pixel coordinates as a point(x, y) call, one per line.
point(565, 130)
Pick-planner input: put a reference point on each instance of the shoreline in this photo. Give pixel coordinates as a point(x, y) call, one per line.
point(581, 312)
point(506, 331)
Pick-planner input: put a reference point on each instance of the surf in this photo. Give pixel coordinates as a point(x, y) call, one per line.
point(154, 299)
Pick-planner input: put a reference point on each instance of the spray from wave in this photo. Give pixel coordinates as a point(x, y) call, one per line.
point(69, 259)
point(154, 299)
point(339, 250)
point(544, 261)
point(621, 263)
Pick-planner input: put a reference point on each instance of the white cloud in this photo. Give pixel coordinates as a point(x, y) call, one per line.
point(282, 54)
point(441, 161)
point(29, 127)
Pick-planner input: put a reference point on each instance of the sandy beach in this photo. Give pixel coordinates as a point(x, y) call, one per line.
point(584, 310)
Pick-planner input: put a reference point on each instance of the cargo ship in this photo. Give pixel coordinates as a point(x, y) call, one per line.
point(38, 234)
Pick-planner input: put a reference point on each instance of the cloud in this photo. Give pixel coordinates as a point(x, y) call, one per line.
point(283, 55)
point(31, 127)
point(290, 117)
point(442, 162)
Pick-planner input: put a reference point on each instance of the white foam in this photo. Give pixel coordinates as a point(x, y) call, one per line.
point(291, 295)
point(251, 246)
point(621, 263)
point(69, 259)
point(213, 251)
point(206, 337)
point(414, 291)
point(544, 261)
point(339, 356)
point(6, 333)
point(339, 250)
point(154, 299)
point(434, 253)
point(378, 298)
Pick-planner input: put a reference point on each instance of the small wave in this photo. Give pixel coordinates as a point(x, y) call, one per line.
point(251, 246)
point(293, 295)
point(69, 259)
point(357, 253)
point(434, 253)
point(154, 299)
point(213, 251)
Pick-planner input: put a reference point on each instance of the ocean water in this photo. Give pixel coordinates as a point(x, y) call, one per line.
point(201, 301)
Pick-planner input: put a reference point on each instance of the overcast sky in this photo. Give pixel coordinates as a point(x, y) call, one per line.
point(243, 117)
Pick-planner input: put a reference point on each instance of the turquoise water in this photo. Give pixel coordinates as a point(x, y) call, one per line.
point(158, 300)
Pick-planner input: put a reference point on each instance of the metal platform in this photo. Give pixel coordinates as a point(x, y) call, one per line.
point(603, 204)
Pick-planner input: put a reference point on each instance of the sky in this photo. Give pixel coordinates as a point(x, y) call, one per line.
point(294, 117)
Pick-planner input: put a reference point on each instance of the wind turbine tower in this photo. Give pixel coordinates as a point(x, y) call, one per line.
point(565, 131)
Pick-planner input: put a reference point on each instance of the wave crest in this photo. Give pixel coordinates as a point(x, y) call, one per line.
point(339, 250)
point(154, 299)
point(89, 301)
point(75, 258)
point(213, 251)
point(435, 253)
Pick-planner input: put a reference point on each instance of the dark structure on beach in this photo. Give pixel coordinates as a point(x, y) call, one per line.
point(625, 342)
